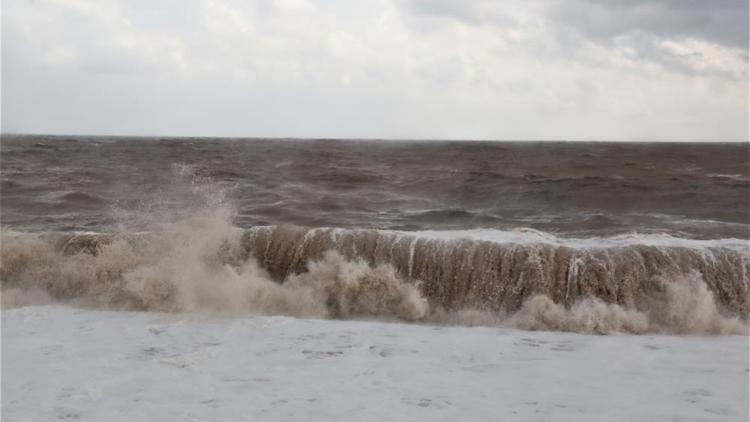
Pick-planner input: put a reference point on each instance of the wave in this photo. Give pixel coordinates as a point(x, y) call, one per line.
point(524, 279)
point(532, 236)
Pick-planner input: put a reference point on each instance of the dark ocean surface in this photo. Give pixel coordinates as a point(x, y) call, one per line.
point(698, 191)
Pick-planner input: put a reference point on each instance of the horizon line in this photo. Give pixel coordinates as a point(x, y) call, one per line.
point(326, 138)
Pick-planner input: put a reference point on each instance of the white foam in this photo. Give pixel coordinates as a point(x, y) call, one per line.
point(737, 177)
point(70, 363)
point(531, 236)
point(521, 235)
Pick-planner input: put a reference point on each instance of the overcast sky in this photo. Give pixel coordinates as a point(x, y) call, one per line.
point(457, 69)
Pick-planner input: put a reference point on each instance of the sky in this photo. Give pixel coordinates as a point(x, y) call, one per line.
point(640, 70)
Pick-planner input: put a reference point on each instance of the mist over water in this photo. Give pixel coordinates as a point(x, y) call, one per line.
point(426, 233)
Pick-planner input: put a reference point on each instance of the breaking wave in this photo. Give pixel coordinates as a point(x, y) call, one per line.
point(202, 263)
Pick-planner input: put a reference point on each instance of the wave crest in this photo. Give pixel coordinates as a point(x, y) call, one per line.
point(204, 264)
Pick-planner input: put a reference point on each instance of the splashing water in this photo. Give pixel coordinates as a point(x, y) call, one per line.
point(199, 265)
point(191, 259)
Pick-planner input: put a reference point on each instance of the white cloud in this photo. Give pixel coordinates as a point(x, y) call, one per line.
point(375, 68)
point(702, 56)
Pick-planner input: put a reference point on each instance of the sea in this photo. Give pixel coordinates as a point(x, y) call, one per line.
point(588, 237)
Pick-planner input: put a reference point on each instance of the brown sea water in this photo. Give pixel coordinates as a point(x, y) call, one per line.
point(582, 189)
point(589, 237)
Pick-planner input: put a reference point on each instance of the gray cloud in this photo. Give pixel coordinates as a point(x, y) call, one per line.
point(688, 37)
point(475, 12)
point(452, 9)
point(723, 22)
point(638, 30)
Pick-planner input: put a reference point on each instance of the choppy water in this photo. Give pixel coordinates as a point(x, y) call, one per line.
point(577, 189)
point(587, 237)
